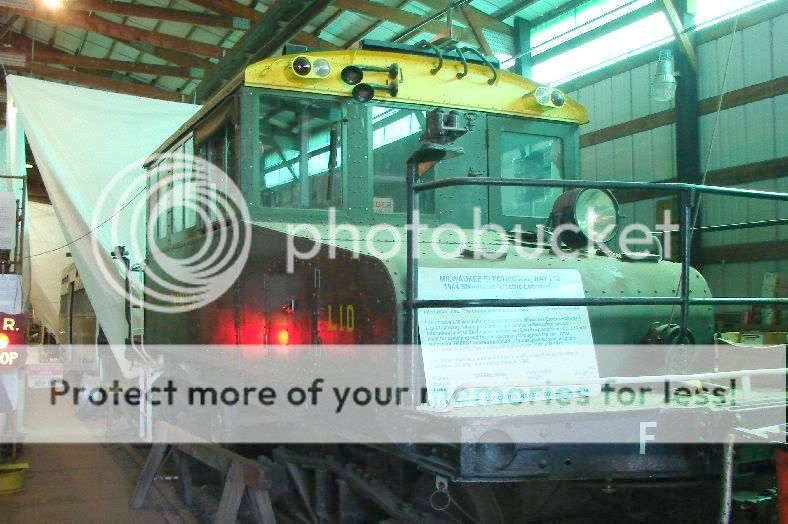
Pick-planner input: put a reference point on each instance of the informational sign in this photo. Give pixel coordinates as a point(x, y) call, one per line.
point(383, 205)
point(40, 376)
point(7, 219)
point(515, 354)
point(10, 293)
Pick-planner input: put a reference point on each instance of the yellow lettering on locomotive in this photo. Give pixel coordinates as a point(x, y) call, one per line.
point(9, 324)
point(341, 318)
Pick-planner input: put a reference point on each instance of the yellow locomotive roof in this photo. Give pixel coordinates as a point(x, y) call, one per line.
point(511, 94)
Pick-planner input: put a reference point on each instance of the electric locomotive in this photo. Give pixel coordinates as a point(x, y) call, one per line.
point(313, 137)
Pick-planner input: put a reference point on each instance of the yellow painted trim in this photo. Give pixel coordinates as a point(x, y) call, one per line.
point(508, 96)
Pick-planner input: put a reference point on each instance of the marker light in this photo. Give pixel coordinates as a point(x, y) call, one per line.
point(549, 97)
point(4, 341)
point(594, 212)
point(302, 66)
point(282, 337)
point(321, 68)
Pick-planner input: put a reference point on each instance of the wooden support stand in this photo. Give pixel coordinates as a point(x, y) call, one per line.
point(244, 478)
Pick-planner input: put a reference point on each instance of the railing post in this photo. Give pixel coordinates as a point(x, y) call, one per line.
point(412, 242)
point(687, 208)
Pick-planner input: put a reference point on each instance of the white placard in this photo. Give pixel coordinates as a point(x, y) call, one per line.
point(383, 205)
point(40, 376)
point(11, 294)
point(513, 347)
point(7, 219)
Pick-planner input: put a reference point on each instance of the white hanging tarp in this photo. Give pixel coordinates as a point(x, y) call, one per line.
point(47, 240)
point(81, 139)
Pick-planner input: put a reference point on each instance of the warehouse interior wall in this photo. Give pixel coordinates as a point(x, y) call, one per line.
point(747, 134)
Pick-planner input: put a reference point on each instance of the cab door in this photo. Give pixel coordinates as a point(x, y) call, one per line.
point(528, 149)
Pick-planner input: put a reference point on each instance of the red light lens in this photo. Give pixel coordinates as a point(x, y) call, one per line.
point(282, 337)
point(302, 66)
point(4, 341)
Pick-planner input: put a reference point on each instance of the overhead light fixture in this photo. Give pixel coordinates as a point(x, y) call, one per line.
point(52, 4)
point(663, 86)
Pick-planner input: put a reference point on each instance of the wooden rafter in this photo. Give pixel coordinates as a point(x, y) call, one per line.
point(49, 55)
point(513, 9)
point(398, 16)
point(484, 20)
point(98, 82)
point(476, 28)
point(282, 21)
point(327, 22)
point(115, 30)
point(175, 57)
point(364, 32)
point(678, 29)
point(159, 13)
point(8, 25)
point(229, 8)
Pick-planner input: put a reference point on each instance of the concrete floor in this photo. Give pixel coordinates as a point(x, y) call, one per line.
point(78, 483)
point(85, 483)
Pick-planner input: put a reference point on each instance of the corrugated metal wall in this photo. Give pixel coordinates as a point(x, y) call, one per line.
point(750, 133)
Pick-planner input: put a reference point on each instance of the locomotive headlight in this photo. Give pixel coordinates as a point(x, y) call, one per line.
point(310, 67)
point(593, 212)
point(542, 96)
point(302, 66)
point(321, 68)
point(548, 97)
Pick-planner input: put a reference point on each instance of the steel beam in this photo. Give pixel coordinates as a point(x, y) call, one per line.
point(98, 82)
point(677, 13)
point(522, 47)
point(688, 166)
point(266, 36)
point(513, 9)
point(49, 55)
point(159, 13)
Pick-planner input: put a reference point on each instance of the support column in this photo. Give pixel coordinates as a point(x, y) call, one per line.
point(522, 44)
point(688, 154)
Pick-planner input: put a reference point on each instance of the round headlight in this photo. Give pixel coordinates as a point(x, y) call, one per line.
point(594, 212)
point(321, 67)
point(302, 66)
point(542, 96)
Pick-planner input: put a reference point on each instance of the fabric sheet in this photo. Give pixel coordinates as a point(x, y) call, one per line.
point(82, 138)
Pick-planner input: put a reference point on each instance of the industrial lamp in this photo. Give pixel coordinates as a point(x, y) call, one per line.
point(663, 86)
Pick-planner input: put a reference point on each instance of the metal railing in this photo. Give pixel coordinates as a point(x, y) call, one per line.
point(689, 200)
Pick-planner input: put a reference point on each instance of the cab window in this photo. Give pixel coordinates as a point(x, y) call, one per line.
point(395, 136)
point(300, 153)
point(532, 157)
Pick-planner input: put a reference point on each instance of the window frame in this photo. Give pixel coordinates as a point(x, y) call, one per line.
point(569, 134)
